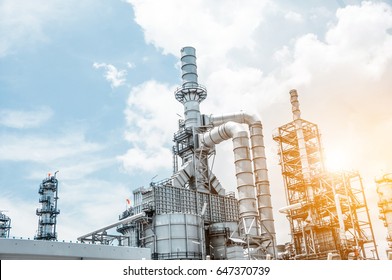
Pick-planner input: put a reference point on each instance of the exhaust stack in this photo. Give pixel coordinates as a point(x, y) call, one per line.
point(188, 67)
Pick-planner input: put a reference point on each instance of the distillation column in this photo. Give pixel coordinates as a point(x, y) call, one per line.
point(48, 212)
point(384, 190)
point(5, 225)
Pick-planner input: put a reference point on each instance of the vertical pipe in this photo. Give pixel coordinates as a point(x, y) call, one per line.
point(301, 143)
point(243, 166)
point(342, 229)
point(245, 184)
point(260, 169)
point(190, 94)
point(262, 183)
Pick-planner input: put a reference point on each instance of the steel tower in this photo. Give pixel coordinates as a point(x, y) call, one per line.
point(327, 211)
point(48, 212)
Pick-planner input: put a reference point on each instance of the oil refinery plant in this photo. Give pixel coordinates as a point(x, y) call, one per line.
point(191, 216)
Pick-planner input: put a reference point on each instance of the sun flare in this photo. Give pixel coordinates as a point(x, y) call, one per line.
point(336, 161)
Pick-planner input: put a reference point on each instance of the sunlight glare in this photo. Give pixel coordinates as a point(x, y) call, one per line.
point(336, 161)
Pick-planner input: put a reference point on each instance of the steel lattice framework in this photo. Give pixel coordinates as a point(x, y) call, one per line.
point(328, 213)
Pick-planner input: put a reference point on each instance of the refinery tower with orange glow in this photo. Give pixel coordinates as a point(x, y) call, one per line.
point(327, 212)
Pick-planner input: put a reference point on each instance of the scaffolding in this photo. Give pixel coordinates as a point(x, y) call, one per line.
point(327, 212)
point(384, 190)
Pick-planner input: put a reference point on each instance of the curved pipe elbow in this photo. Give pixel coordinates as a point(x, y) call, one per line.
point(221, 133)
point(238, 117)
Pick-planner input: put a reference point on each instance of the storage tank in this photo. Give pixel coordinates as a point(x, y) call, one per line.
point(176, 236)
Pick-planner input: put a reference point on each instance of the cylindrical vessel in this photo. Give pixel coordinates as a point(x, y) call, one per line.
point(245, 183)
point(176, 236)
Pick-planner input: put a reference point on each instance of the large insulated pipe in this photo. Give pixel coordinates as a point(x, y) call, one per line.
point(121, 222)
point(259, 165)
point(301, 143)
point(243, 167)
point(288, 208)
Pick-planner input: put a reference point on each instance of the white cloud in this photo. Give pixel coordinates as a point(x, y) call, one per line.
point(46, 148)
point(151, 116)
point(22, 213)
point(24, 23)
point(347, 79)
point(211, 27)
point(87, 205)
point(293, 16)
point(74, 167)
point(25, 119)
point(137, 159)
point(114, 76)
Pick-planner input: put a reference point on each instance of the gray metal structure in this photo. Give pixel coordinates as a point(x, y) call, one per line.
point(48, 212)
point(5, 225)
point(190, 215)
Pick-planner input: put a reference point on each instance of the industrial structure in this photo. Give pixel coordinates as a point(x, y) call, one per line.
point(190, 215)
point(384, 190)
point(48, 212)
point(5, 225)
point(327, 211)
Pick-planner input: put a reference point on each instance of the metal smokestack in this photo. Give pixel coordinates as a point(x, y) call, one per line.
point(188, 67)
point(295, 104)
point(190, 94)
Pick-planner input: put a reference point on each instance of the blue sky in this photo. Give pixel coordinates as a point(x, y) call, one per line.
point(86, 88)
